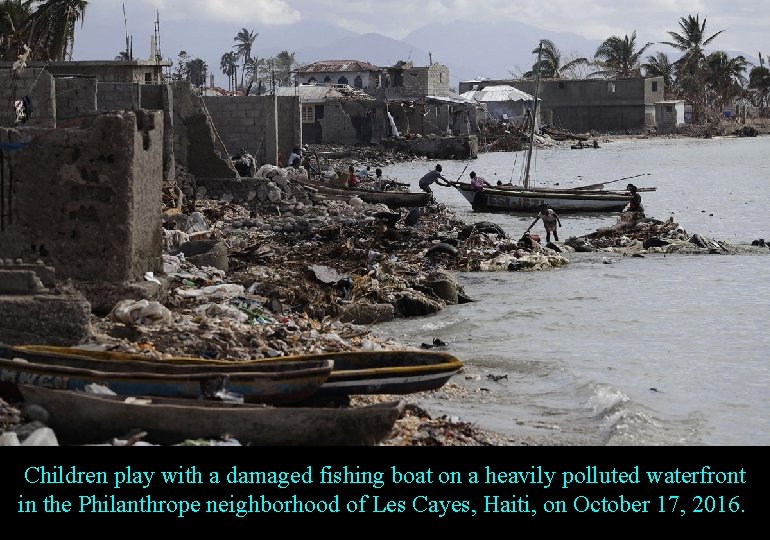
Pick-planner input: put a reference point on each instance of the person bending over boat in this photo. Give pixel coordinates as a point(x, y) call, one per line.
point(550, 222)
point(433, 176)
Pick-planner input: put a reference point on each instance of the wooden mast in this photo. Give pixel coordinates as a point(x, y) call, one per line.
point(534, 117)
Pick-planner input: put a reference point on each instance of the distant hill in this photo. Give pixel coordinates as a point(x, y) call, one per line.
point(493, 50)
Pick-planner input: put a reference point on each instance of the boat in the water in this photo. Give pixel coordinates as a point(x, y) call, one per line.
point(527, 198)
point(85, 418)
point(353, 372)
point(391, 198)
point(270, 382)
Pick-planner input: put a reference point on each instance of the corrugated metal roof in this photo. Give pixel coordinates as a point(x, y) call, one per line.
point(501, 92)
point(310, 93)
point(451, 99)
point(337, 66)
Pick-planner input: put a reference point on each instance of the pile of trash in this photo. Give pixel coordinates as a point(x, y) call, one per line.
point(634, 234)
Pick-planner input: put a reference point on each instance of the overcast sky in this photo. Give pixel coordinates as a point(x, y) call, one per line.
point(746, 22)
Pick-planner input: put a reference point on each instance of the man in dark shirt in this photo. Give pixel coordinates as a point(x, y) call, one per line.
point(432, 176)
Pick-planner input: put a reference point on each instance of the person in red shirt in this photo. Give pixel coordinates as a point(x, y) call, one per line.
point(352, 178)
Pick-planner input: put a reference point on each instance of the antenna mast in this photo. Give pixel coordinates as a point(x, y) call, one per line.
point(125, 25)
point(158, 55)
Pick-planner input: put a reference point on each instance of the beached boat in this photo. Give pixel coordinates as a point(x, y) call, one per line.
point(84, 418)
point(393, 199)
point(527, 198)
point(517, 199)
point(354, 372)
point(273, 382)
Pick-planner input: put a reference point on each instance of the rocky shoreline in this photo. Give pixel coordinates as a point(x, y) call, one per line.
point(265, 267)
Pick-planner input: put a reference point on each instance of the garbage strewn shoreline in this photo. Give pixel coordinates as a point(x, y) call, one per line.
point(286, 271)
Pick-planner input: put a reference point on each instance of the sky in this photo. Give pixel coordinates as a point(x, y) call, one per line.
point(196, 25)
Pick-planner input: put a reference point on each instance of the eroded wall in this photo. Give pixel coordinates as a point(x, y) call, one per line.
point(85, 200)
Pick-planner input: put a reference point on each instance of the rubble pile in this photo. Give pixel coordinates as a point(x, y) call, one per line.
point(635, 234)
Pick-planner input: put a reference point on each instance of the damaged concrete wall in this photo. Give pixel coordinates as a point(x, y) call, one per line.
point(39, 86)
point(461, 147)
point(75, 97)
point(112, 96)
point(159, 97)
point(351, 122)
point(93, 211)
point(196, 146)
point(250, 122)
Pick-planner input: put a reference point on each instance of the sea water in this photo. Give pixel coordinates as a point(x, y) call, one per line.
point(661, 350)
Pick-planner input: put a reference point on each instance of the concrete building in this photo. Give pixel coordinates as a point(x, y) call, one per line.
point(669, 115)
point(582, 105)
point(129, 71)
point(354, 73)
point(404, 80)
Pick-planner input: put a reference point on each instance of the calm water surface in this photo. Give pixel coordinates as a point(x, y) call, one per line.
point(653, 351)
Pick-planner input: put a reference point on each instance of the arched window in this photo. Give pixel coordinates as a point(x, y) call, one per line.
point(342, 80)
point(327, 79)
point(358, 82)
point(311, 80)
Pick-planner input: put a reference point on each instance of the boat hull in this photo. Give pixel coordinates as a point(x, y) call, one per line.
point(393, 199)
point(528, 201)
point(275, 383)
point(83, 418)
point(354, 372)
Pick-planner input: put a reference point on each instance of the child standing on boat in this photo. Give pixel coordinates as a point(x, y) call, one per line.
point(550, 222)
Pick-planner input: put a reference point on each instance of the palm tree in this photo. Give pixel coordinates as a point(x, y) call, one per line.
point(254, 67)
point(197, 71)
point(619, 58)
point(759, 83)
point(692, 40)
point(16, 24)
point(660, 66)
point(55, 26)
point(550, 62)
point(245, 42)
point(690, 67)
point(284, 63)
point(725, 77)
point(229, 66)
point(181, 73)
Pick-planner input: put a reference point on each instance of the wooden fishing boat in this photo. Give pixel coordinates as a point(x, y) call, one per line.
point(518, 199)
point(354, 372)
point(275, 382)
point(83, 418)
point(393, 199)
point(527, 198)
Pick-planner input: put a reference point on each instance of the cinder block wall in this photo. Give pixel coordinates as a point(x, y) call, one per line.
point(113, 96)
point(75, 97)
point(94, 211)
point(36, 83)
point(249, 122)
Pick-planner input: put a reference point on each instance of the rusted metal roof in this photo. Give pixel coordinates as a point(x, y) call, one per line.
point(337, 66)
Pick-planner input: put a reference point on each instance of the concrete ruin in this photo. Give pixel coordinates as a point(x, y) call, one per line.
point(34, 311)
point(86, 199)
